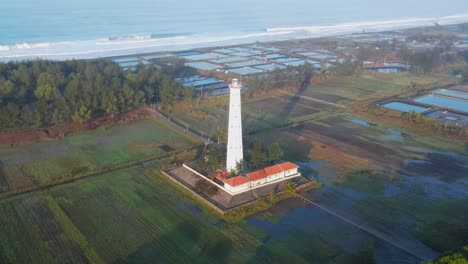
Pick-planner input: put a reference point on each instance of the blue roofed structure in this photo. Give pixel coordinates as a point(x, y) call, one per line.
point(203, 83)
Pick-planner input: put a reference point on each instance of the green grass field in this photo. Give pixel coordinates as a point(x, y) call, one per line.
point(349, 89)
point(42, 163)
point(278, 110)
point(257, 114)
point(128, 217)
point(134, 215)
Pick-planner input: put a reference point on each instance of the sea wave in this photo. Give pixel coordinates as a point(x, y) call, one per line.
point(355, 27)
point(132, 37)
point(31, 46)
point(105, 47)
point(142, 43)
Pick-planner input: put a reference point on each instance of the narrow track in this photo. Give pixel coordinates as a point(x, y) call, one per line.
point(370, 231)
point(313, 99)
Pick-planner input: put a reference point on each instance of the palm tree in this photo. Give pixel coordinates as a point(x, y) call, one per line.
point(291, 187)
point(220, 134)
point(272, 197)
point(323, 74)
point(241, 165)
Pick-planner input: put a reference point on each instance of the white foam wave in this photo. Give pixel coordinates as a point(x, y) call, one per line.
point(107, 47)
point(356, 27)
point(32, 46)
point(142, 43)
point(126, 41)
point(131, 38)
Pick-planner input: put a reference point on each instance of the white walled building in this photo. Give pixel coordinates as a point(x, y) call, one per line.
point(271, 174)
point(274, 173)
point(257, 177)
point(289, 168)
point(261, 177)
point(237, 184)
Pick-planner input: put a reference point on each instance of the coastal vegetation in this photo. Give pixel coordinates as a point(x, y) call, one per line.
point(459, 256)
point(35, 94)
point(319, 119)
point(431, 123)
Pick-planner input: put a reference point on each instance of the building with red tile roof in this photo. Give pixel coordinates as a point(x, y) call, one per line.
point(288, 166)
point(259, 177)
point(272, 170)
point(237, 183)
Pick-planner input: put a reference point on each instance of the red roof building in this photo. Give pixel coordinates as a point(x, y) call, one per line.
point(273, 170)
point(236, 181)
point(288, 166)
point(221, 175)
point(257, 175)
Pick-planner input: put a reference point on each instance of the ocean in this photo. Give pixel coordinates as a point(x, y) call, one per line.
point(57, 29)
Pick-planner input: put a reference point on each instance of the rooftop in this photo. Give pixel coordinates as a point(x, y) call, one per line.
point(257, 175)
point(236, 181)
point(288, 165)
point(271, 170)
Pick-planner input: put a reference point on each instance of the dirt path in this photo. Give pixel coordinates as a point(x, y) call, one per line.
point(368, 230)
point(313, 99)
point(182, 128)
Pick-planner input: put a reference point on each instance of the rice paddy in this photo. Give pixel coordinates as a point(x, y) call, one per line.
point(36, 164)
point(394, 183)
point(136, 217)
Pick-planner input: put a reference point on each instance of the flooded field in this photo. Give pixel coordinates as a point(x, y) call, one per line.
point(402, 202)
point(386, 195)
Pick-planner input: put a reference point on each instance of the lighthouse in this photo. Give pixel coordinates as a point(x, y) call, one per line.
point(234, 144)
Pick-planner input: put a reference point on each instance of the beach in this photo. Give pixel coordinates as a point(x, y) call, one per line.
point(106, 29)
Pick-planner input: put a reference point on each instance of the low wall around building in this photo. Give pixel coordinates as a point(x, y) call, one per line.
point(211, 205)
point(208, 179)
point(223, 201)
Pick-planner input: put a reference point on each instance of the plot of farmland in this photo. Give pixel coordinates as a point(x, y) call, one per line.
point(138, 217)
point(258, 114)
point(349, 89)
point(3, 183)
point(41, 163)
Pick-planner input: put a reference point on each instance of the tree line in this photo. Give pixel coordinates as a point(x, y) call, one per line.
point(432, 123)
point(40, 93)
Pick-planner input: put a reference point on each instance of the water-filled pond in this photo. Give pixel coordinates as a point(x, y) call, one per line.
point(457, 94)
point(441, 101)
point(404, 107)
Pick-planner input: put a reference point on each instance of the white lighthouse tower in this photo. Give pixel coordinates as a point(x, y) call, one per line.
point(234, 144)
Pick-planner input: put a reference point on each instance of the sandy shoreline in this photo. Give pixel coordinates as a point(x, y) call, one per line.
point(102, 48)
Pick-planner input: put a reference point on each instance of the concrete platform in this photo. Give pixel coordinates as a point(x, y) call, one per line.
point(223, 201)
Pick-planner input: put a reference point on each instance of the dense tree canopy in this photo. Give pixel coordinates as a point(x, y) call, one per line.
point(43, 93)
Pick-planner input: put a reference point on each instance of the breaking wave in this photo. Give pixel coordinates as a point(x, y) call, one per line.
point(375, 26)
point(105, 47)
point(142, 43)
